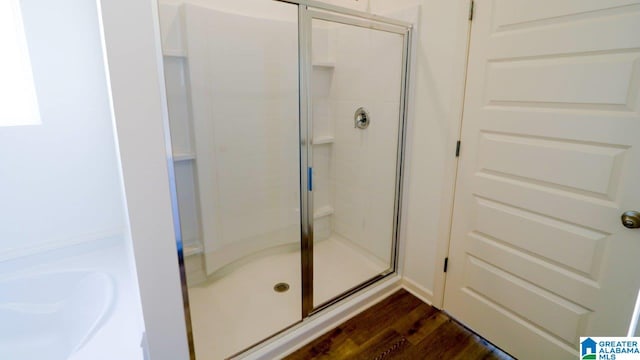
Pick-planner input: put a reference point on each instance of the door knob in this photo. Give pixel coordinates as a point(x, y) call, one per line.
point(631, 219)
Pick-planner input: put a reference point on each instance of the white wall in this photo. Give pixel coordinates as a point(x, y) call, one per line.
point(436, 113)
point(60, 182)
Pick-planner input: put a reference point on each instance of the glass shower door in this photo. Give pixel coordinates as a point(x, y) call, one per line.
point(231, 75)
point(357, 75)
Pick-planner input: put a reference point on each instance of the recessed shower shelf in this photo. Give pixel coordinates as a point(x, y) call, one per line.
point(323, 212)
point(324, 64)
point(323, 140)
point(174, 53)
point(192, 249)
point(183, 157)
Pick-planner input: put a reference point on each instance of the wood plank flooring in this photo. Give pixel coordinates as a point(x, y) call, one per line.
point(399, 327)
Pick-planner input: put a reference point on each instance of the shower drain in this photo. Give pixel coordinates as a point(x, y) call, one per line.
point(281, 287)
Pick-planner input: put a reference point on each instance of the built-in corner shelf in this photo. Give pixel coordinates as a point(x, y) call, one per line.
point(174, 53)
point(183, 157)
point(192, 248)
point(323, 212)
point(324, 64)
point(319, 140)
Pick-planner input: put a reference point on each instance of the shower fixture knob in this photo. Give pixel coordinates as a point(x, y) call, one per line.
point(361, 119)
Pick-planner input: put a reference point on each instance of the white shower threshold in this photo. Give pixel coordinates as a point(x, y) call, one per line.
point(242, 308)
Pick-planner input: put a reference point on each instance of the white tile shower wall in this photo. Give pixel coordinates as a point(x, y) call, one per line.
point(368, 73)
point(321, 81)
point(322, 77)
point(321, 176)
point(323, 206)
point(60, 183)
point(175, 68)
point(172, 28)
point(323, 49)
point(187, 202)
point(177, 84)
point(244, 77)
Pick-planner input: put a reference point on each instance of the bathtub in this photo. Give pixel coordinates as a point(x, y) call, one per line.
point(52, 315)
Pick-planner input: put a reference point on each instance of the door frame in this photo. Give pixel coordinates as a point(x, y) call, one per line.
point(451, 175)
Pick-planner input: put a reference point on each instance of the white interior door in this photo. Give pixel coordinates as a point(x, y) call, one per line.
point(550, 160)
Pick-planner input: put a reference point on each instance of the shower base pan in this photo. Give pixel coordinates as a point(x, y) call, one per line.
point(241, 309)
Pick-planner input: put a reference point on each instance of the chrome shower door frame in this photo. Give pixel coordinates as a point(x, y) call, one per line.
point(308, 11)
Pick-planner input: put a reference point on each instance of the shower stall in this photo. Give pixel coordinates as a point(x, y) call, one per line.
point(287, 122)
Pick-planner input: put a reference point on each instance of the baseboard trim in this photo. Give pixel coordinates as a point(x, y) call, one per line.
point(315, 326)
point(418, 291)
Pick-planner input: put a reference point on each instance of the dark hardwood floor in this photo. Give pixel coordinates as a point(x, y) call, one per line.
point(399, 327)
